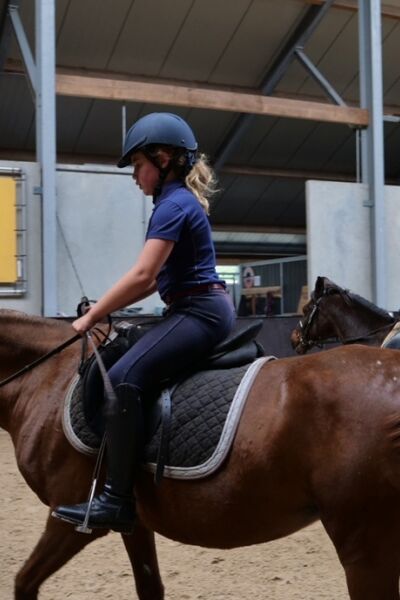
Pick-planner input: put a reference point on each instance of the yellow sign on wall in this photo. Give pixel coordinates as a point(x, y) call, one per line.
point(8, 226)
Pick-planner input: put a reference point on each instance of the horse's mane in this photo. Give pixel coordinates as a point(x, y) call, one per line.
point(27, 319)
point(369, 305)
point(19, 315)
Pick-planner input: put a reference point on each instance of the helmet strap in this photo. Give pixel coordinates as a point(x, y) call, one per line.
point(161, 179)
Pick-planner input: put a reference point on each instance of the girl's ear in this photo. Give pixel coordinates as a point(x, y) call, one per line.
point(164, 158)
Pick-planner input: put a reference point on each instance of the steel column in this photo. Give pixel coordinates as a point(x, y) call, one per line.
point(46, 146)
point(372, 139)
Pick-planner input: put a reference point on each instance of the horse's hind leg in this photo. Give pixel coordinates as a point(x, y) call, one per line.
point(368, 546)
point(142, 553)
point(58, 544)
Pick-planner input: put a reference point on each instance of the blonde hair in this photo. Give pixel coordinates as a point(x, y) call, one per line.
point(201, 181)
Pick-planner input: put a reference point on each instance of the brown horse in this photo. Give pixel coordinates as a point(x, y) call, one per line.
point(334, 314)
point(318, 439)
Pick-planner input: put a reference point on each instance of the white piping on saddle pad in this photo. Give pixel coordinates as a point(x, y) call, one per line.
point(228, 432)
point(67, 426)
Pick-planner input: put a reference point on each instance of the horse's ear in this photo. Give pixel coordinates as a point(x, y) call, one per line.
point(319, 286)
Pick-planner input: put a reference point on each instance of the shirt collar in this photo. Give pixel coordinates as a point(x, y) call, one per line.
point(168, 188)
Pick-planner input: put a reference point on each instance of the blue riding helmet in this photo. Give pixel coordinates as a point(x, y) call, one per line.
point(157, 128)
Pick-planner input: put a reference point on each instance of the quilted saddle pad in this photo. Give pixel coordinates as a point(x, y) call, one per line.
point(205, 413)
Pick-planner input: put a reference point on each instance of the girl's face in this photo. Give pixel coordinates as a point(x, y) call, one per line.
point(145, 174)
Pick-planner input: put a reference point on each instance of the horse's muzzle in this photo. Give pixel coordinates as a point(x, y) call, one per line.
point(295, 340)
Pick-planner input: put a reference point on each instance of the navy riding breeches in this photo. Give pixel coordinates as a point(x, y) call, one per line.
point(190, 329)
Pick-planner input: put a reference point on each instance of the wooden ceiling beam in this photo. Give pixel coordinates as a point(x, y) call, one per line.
point(130, 90)
point(150, 90)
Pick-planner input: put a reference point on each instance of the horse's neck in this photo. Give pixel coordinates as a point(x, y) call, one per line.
point(356, 321)
point(23, 339)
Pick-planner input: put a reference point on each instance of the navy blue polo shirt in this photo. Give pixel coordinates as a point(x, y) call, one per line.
point(179, 217)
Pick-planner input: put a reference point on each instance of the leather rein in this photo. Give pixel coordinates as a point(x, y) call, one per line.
point(304, 325)
point(41, 359)
point(80, 311)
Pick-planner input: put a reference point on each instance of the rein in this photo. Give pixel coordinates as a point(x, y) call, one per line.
point(83, 304)
point(367, 335)
point(41, 359)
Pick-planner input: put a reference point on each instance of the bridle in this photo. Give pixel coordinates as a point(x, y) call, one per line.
point(304, 325)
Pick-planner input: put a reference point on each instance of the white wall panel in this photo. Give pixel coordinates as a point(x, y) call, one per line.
point(103, 216)
point(338, 237)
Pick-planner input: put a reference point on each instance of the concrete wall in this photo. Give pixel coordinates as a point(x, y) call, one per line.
point(338, 237)
point(103, 217)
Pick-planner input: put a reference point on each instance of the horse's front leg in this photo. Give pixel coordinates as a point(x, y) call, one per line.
point(368, 581)
point(57, 545)
point(142, 553)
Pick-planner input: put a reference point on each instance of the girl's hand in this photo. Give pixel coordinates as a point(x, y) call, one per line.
point(83, 324)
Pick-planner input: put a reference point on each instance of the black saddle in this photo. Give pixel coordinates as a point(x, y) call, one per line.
point(238, 349)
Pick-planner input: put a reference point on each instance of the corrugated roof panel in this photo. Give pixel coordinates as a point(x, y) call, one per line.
point(208, 29)
point(281, 142)
point(16, 111)
point(392, 150)
point(272, 204)
point(256, 42)
point(149, 32)
point(391, 54)
point(102, 132)
point(247, 145)
point(72, 114)
point(294, 213)
point(237, 196)
point(89, 32)
point(313, 154)
point(210, 127)
point(343, 157)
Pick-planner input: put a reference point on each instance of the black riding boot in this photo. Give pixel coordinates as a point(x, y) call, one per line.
point(114, 507)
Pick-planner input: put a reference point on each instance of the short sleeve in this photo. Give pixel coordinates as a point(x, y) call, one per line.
point(167, 222)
